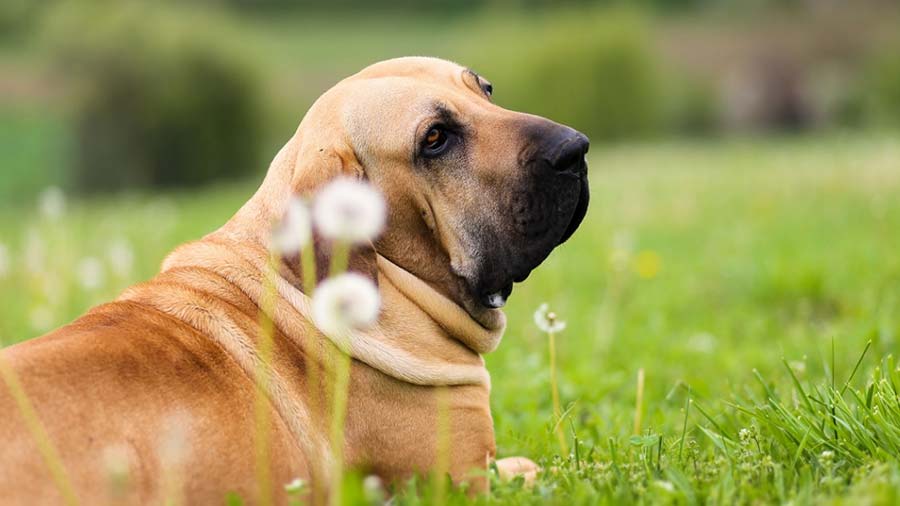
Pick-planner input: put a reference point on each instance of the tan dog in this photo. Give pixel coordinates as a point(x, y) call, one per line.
point(159, 385)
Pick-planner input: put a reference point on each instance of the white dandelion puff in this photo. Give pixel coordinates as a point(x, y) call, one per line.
point(121, 257)
point(373, 489)
point(547, 321)
point(345, 302)
point(35, 251)
point(52, 203)
point(349, 210)
point(296, 485)
point(295, 230)
point(90, 273)
point(4, 261)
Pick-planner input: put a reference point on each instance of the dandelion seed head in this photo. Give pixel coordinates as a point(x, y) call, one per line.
point(121, 257)
point(52, 203)
point(35, 251)
point(349, 210)
point(296, 485)
point(345, 302)
point(372, 488)
point(90, 273)
point(295, 230)
point(547, 320)
point(702, 342)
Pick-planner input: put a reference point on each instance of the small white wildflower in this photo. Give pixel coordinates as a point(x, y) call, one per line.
point(90, 273)
point(52, 203)
point(295, 230)
point(121, 257)
point(41, 318)
point(345, 302)
point(4, 261)
point(666, 486)
point(296, 485)
point(349, 210)
point(547, 321)
point(622, 250)
point(35, 251)
point(799, 366)
point(703, 342)
point(160, 217)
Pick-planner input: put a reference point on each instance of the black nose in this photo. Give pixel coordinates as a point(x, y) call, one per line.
point(569, 155)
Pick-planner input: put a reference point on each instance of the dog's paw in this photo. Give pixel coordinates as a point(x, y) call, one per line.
point(511, 467)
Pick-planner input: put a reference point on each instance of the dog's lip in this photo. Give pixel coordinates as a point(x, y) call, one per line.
point(584, 197)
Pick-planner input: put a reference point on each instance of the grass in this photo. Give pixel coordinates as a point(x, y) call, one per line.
point(745, 277)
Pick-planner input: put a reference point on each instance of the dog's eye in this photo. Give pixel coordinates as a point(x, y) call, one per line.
point(488, 88)
point(435, 141)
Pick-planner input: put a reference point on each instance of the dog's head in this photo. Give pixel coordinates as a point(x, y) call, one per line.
point(478, 195)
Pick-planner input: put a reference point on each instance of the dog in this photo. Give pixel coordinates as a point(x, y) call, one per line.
point(158, 387)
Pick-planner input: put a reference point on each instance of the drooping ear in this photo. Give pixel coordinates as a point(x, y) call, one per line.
point(315, 166)
point(318, 161)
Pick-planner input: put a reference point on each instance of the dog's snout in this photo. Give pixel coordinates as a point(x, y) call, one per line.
point(569, 156)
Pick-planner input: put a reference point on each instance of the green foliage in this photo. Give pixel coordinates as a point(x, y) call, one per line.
point(593, 70)
point(162, 99)
point(882, 87)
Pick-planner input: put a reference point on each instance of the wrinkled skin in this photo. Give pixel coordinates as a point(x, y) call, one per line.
point(505, 190)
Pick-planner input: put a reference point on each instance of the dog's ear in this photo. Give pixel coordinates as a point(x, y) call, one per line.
point(318, 161)
point(315, 165)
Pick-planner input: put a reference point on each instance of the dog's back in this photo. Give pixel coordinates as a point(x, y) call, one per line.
point(122, 393)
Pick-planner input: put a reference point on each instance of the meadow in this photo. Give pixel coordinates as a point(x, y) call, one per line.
point(753, 285)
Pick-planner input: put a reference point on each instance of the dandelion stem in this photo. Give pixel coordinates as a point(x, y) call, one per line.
point(309, 279)
point(639, 403)
point(687, 409)
point(340, 258)
point(41, 438)
point(342, 364)
point(263, 374)
point(308, 269)
point(554, 389)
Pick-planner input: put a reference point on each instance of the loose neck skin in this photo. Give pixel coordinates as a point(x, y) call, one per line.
point(300, 168)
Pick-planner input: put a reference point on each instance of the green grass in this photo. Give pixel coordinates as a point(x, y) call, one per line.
point(748, 276)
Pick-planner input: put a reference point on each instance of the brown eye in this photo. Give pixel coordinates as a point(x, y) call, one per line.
point(435, 141)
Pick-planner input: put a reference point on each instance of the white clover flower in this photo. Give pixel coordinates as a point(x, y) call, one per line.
point(547, 321)
point(295, 230)
point(90, 273)
point(121, 257)
point(52, 203)
point(345, 302)
point(4, 261)
point(349, 210)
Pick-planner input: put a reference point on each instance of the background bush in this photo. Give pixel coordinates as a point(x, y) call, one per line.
point(595, 72)
point(882, 86)
point(161, 100)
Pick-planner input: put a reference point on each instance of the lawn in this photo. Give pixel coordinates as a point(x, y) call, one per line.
point(744, 275)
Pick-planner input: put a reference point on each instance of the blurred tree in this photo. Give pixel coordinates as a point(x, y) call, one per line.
point(161, 97)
